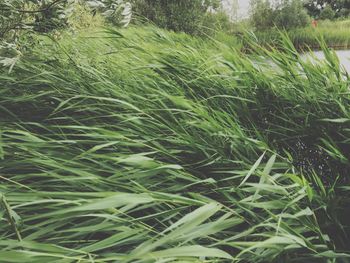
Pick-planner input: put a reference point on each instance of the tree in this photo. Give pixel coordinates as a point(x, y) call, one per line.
point(340, 7)
point(291, 14)
point(177, 15)
point(327, 13)
point(117, 12)
point(45, 15)
point(262, 14)
point(284, 14)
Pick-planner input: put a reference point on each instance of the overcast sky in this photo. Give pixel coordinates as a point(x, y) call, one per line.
point(243, 7)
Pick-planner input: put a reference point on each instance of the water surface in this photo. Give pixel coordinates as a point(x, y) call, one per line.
point(343, 55)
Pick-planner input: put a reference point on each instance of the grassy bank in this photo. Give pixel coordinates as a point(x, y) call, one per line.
point(142, 145)
point(336, 34)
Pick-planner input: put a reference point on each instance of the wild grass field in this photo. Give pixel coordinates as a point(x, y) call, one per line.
point(336, 34)
point(141, 145)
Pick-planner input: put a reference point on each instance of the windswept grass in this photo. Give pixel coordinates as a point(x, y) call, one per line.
point(336, 34)
point(148, 146)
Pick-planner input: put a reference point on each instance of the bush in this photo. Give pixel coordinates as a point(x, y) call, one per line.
point(291, 14)
point(176, 15)
point(262, 14)
point(41, 16)
point(344, 12)
point(10, 17)
point(327, 13)
point(82, 17)
point(217, 22)
point(340, 8)
point(287, 15)
point(117, 12)
point(18, 16)
point(47, 15)
point(52, 15)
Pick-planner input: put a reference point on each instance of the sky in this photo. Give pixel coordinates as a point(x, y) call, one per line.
point(243, 7)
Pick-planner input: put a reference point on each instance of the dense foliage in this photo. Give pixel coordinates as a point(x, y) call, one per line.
point(287, 14)
point(39, 15)
point(341, 8)
point(327, 13)
point(150, 146)
point(46, 15)
point(20, 17)
point(177, 15)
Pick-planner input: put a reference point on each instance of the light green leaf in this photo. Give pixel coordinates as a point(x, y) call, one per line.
point(189, 251)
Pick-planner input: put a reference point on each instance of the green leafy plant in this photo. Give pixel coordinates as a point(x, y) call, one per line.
point(327, 13)
point(191, 151)
point(116, 11)
point(176, 15)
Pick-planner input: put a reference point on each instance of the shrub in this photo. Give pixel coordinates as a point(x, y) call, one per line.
point(262, 14)
point(52, 15)
point(176, 15)
point(10, 17)
point(82, 17)
point(327, 13)
point(47, 15)
point(117, 12)
point(287, 15)
point(340, 8)
point(218, 21)
point(41, 16)
point(344, 12)
point(291, 14)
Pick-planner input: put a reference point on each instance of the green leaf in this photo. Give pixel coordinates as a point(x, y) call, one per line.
point(340, 120)
point(114, 201)
point(189, 251)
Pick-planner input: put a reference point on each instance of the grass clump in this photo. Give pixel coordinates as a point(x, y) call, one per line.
point(148, 146)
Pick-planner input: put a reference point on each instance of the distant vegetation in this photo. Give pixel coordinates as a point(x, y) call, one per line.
point(286, 15)
point(333, 8)
point(182, 15)
point(306, 24)
point(335, 34)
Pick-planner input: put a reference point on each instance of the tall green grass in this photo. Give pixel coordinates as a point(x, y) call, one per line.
point(148, 146)
point(336, 34)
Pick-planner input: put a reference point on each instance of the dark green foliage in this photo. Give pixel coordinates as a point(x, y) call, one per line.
point(291, 14)
point(287, 15)
point(341, 8)
point(327, 13)
point(10, 17)
point(42, 16)
point(176, 15)
point(117, 12)
point(47, 15)
point(51, 15)
point(262, 14)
